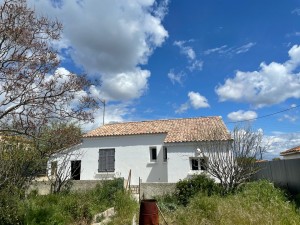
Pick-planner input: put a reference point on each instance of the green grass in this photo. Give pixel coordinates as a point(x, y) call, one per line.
point(125, 207)
point(66, 208)
point(255, 203)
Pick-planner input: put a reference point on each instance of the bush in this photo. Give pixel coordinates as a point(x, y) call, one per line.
point(255, 203)
point(10, 212)
point(71, 208)
point(168, 202)
point(185, 189)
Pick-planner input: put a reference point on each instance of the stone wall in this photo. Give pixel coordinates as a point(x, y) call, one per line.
point(147, 190)
point(150, 190)
point(44, 187)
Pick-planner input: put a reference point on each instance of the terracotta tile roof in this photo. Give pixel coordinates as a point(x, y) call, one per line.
point(291, 151)
point(177, 130)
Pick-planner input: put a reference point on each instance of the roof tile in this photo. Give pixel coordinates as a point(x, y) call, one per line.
point(291, 151)
point(177, 130)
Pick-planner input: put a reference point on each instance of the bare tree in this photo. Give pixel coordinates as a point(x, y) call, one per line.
point(57, 136)
point(32, 91)
point(232, 162)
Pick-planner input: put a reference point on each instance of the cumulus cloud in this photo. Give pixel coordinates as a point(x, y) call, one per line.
point(110, 39)
point(176, 77)
point(113, 113)
point(188, 51)
point(272, 84)
point(242, 115)
point(124, 86)
point(196, 101)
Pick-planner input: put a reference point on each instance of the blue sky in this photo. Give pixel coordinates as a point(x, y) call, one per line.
point(177, 59)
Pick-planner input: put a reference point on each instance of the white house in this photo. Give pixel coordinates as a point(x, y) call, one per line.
point(155, 151)
point(293, 153)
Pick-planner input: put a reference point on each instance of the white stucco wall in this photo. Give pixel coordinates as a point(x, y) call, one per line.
point(179, 161)
point(64, 161)
point(133, 152)
point(292, 156)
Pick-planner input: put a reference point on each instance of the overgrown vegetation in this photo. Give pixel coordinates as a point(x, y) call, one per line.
point(253, 203)
point(69, 208)
point(125, 207)
point(185, 189)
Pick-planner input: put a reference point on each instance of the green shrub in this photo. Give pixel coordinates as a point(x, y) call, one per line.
point(167, 202)
point(187, 188)
point(255, 203)
point(10, 212)
point(73, 207)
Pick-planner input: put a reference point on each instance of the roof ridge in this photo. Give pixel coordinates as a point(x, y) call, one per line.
point(144, 121)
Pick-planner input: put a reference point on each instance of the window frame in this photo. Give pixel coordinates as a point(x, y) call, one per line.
point(108, 155)
point(165, 154)
point(200, 163)
point(153, 157)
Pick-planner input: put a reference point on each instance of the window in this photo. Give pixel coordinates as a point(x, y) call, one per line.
point(106, 161)
point(202, 163)
point(195, 164)
point(165, 154)
point(153, 154)
point(198, 163)
point(53, 168)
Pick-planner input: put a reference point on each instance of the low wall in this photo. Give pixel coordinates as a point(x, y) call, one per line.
point(150, 190)
point(147, 190)
point(44, 187)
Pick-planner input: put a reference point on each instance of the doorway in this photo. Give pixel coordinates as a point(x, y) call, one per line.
point(75, 169)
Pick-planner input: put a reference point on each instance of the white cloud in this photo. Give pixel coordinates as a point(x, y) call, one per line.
point(110, 39)
point(113, 113)
point(289, 118)
point(280, 142)
point(217, 50)
point(244, 48)
point(224, 49)
point(125, 86)
point(197, 101)
point(296, 11)
point(272, 84)
point(161, 9)
point(242, 115)
point(188, 51)
point(183, 108)
point(176, 77)
point(297, 34)
point(195, 65)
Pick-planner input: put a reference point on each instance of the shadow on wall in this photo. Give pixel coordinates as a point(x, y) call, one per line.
point(158, 172)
